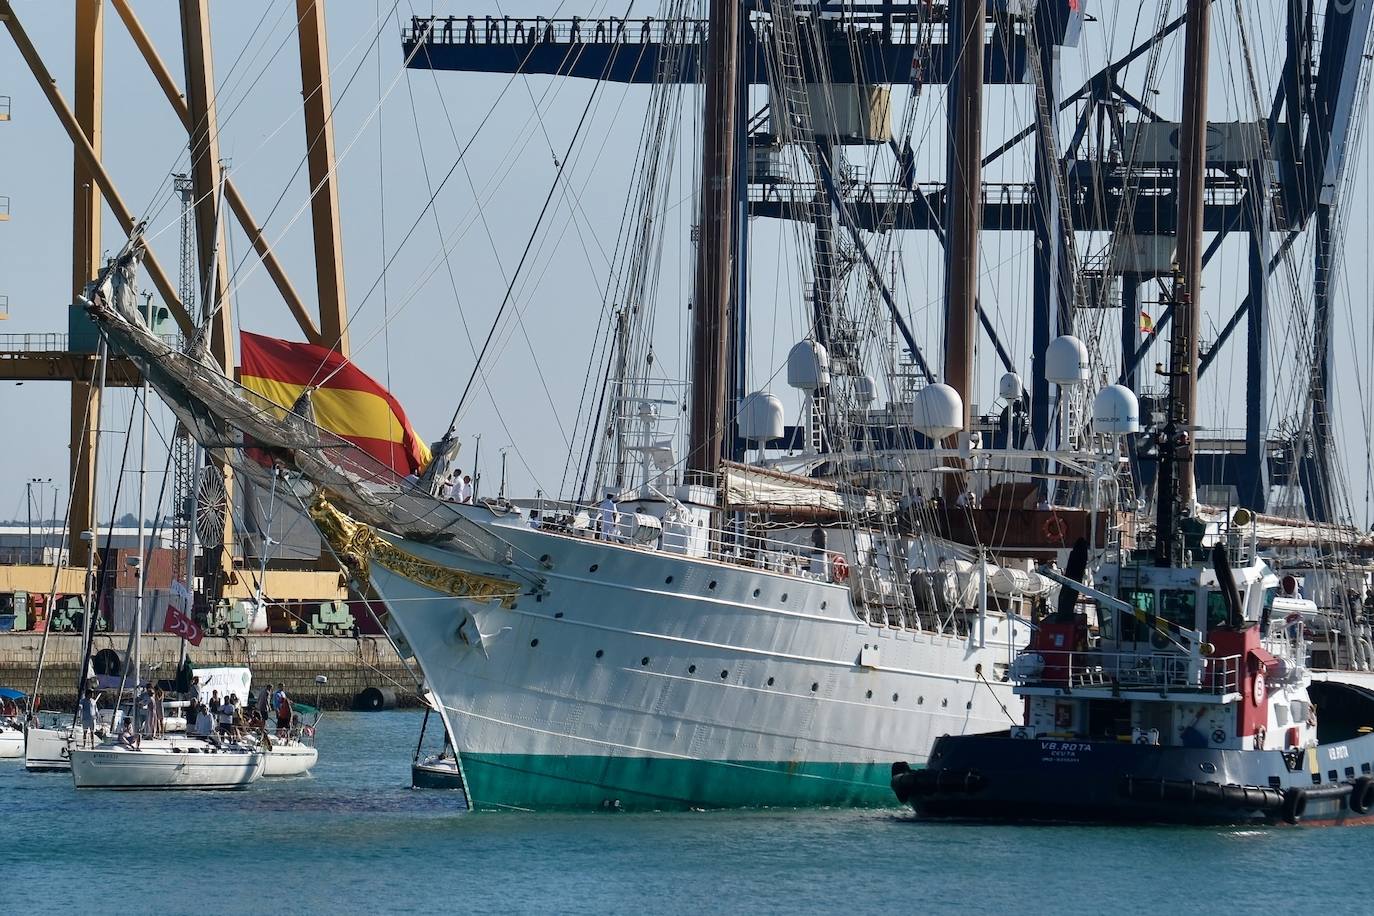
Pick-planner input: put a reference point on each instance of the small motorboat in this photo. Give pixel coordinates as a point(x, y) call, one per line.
point(435, 771)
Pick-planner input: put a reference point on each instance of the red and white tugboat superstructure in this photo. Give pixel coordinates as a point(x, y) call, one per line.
point(1193, 703)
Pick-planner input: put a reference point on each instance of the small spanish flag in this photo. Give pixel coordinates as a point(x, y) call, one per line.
point(346, 401)
point(1147, 324)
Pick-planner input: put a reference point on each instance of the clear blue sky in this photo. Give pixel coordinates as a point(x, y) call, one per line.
point(413, 331)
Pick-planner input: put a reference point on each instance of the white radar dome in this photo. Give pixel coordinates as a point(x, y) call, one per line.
point(937, 411)
point(760, 417)
point(865, 390)
point(1009, 387)
point(1116, 411)
point(1066, 361)
point(808, 366)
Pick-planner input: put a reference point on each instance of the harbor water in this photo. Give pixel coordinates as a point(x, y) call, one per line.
point(353, 837)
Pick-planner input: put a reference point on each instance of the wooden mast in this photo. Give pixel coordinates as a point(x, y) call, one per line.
point(965, 104)
point(1176, 487)
point(715, 267)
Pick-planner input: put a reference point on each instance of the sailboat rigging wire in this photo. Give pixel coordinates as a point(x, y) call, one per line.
point(505, 300)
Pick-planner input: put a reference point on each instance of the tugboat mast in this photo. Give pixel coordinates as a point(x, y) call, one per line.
point(1176, 486)
point(715, 268)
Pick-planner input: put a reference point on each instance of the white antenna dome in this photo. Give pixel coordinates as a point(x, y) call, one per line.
point(808, 366)
point(760, 418)
point(1116, 411)
point(865, 390)
point(1066, 361)
point(937, 411)
point(1009, 387)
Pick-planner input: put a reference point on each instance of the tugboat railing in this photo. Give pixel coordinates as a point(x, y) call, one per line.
point(1134, 671)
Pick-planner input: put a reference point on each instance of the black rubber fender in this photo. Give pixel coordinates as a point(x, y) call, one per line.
point(1294, 805)
point(1362, 795)
point(901, 781)
point(374, 699)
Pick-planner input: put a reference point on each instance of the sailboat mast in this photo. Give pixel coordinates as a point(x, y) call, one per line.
point(965, 104)
point(715, 269)
point(1192, 169)
point(1176, 486)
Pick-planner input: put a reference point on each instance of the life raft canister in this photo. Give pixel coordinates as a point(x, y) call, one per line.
point(839, 568)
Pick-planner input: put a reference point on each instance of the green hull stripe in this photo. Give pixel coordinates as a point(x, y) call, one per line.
point(540, 782)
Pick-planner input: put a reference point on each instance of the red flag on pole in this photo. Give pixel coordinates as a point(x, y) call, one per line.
point(178, 624)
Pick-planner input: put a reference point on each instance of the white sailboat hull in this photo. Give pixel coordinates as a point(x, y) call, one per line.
point(289, 758)
point(48, 749)
point(645, 679)
point(11, 742)
point(175, 766)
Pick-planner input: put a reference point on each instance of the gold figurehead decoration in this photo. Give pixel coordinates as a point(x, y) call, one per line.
point(358, 546)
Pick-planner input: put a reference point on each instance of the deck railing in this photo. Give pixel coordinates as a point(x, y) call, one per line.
point(1133, 671)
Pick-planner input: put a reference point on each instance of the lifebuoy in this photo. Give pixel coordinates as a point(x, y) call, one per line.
point(1257, 689)
point(1054, 528)
point(839, 568)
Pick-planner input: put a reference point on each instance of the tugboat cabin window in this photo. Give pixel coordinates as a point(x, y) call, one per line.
point(1176, 605)
point(1143, 600)
point(1216, 609)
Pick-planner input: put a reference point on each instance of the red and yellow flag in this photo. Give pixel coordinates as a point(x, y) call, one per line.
point(347, 402)
point(1147, 324)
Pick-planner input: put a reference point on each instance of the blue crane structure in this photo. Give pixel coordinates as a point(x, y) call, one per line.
point(1270, 184)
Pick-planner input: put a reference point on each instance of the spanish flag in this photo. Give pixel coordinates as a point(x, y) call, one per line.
point(346, 401)
point(1147, 324)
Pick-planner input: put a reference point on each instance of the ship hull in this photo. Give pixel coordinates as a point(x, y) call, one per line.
point(649, 681)
point(999, 778)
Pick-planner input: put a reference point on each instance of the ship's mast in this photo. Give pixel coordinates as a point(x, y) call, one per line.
point(965, 208)
point(1176, 486)
point(715, 267)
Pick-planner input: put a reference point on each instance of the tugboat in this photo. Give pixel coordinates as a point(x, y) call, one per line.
point(1195, 704)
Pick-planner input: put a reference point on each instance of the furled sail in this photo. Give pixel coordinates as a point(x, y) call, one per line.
point(754, 489)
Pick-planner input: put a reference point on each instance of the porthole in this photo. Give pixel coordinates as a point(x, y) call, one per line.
point(756, 592)
point(823, 604)
point(533, 643)
point(944, 702)
point(770, 682)
point(600, 652)
point(557, 615)
point(968, 705)
point(920, 701)
point(724, 674)
point(544, 558)
point(594, 567)
point(711, 584)
point(691, 669)
point(815, 686)
point(644, 660)
point(668, 581)
point(869, 695)
point(894, 698)
point(784, 596)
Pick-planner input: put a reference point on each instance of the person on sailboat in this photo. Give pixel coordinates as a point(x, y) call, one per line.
point(283, 715)
point(129, 738)
point(143, 711)
point(89, 713)
point(610, 522)
point(264, 700)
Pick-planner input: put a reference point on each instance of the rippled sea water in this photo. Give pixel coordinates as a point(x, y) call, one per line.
point(353, 837)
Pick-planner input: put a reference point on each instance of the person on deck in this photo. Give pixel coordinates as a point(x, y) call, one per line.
point(143, 711)
point(226, 717)
point(610, 523)
point(214, 703)
point(158, 729)
point(284, 716)
point(464, 489)
point(264, 702)
point(129, 738)
point(196, 698)
point(89, 714)
point(446, 488)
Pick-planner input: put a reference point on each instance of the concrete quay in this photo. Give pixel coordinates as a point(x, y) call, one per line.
point(350, 663)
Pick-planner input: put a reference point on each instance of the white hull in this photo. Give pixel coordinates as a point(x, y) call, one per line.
point(48, 749)
point(724, 686)
point(289, 758)
point(11, 742)
point(175, 765)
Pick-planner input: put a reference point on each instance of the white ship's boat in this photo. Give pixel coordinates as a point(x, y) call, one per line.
point(49, 749)
point(166, 764)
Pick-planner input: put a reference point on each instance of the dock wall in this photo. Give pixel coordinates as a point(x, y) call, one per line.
point(350, 663)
